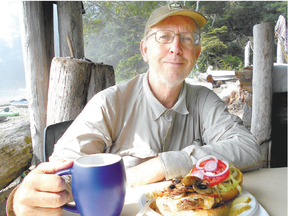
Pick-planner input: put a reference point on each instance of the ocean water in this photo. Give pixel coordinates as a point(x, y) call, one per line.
point(15, 94)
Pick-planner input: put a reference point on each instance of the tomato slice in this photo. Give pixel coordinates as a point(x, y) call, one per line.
point(214, 180)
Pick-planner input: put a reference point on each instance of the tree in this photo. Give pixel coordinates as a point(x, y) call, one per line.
point(238, 17)
point(120, 26)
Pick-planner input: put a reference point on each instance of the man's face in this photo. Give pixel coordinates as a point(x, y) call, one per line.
point(171, 63)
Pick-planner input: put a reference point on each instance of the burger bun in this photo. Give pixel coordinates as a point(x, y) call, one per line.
point(199, 212)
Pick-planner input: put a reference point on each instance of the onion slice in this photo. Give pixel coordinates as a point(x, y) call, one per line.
point(210, 166)
point(203, 159)
point(210, 174)
point(198, 174)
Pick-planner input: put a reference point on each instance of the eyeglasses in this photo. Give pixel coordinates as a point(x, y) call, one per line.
point(166, 37)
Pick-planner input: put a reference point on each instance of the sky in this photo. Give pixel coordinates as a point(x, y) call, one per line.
point(10, 11)
point(12, 75)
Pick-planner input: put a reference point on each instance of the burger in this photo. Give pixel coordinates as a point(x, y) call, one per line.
point(203, 192)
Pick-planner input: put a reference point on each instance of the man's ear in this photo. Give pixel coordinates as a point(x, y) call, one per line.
point(198, 51)
point(143, 48)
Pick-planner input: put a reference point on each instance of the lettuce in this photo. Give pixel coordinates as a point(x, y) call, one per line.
point(229, 183)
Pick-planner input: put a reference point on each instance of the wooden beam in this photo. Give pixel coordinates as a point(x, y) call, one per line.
point(70, 24)
point(49, 31)
point(37, 53)
point(263, 55)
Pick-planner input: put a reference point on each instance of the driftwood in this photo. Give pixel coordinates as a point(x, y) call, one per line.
point(72, 83)
point(15, 149)
point(261, 127)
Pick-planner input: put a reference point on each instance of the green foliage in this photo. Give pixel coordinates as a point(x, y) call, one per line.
point(116, 38)
point(113, 31)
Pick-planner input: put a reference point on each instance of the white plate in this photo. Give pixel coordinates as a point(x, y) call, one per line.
point(253, 204)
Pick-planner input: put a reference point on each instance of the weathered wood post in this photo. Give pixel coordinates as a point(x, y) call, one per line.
point(70, 24)
point(247, 54)
point(72, 84)
point(37, 45)
point(102, 77)
point(261, 127)
point(69, 81)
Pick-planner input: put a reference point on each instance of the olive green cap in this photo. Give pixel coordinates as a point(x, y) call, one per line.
point(173, 9)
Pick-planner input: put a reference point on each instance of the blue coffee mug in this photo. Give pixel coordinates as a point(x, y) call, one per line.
point(98, 185)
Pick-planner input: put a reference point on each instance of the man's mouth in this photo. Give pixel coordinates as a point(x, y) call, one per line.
point(175, 63)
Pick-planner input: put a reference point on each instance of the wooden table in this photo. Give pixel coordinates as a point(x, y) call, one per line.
point(268, 186)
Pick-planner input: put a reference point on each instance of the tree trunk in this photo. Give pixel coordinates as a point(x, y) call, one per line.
point(69, 81)
point(36, 54)
point(261, 127)
point(70, 24)
point(15, 149)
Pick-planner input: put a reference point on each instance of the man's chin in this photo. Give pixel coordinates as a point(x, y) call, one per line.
point(171, 78)
point(172, 82)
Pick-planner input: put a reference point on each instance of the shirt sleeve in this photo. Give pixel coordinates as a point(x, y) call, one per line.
point(223, 135)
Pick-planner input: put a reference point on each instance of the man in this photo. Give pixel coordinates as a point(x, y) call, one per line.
point(159, 124)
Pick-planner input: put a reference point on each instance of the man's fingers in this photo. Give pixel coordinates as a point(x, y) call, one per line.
point(42, 192)
point(53, 200)
point(27, 211)
point(53, 167)
point(44, 199)
point(47, 183)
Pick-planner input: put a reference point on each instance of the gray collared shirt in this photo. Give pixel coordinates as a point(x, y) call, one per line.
point(128, 120)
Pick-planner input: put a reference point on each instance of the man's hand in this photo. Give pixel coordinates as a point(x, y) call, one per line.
point(145, 173)
point(41, 192)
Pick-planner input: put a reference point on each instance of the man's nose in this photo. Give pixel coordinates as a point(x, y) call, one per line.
point(176, 46)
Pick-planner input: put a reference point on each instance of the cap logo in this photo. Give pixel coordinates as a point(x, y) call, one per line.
point(175, 6)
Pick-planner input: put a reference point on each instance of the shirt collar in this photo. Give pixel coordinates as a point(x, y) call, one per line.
point(157, 108)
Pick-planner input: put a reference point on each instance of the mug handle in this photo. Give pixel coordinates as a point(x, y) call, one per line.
point(71, 208)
